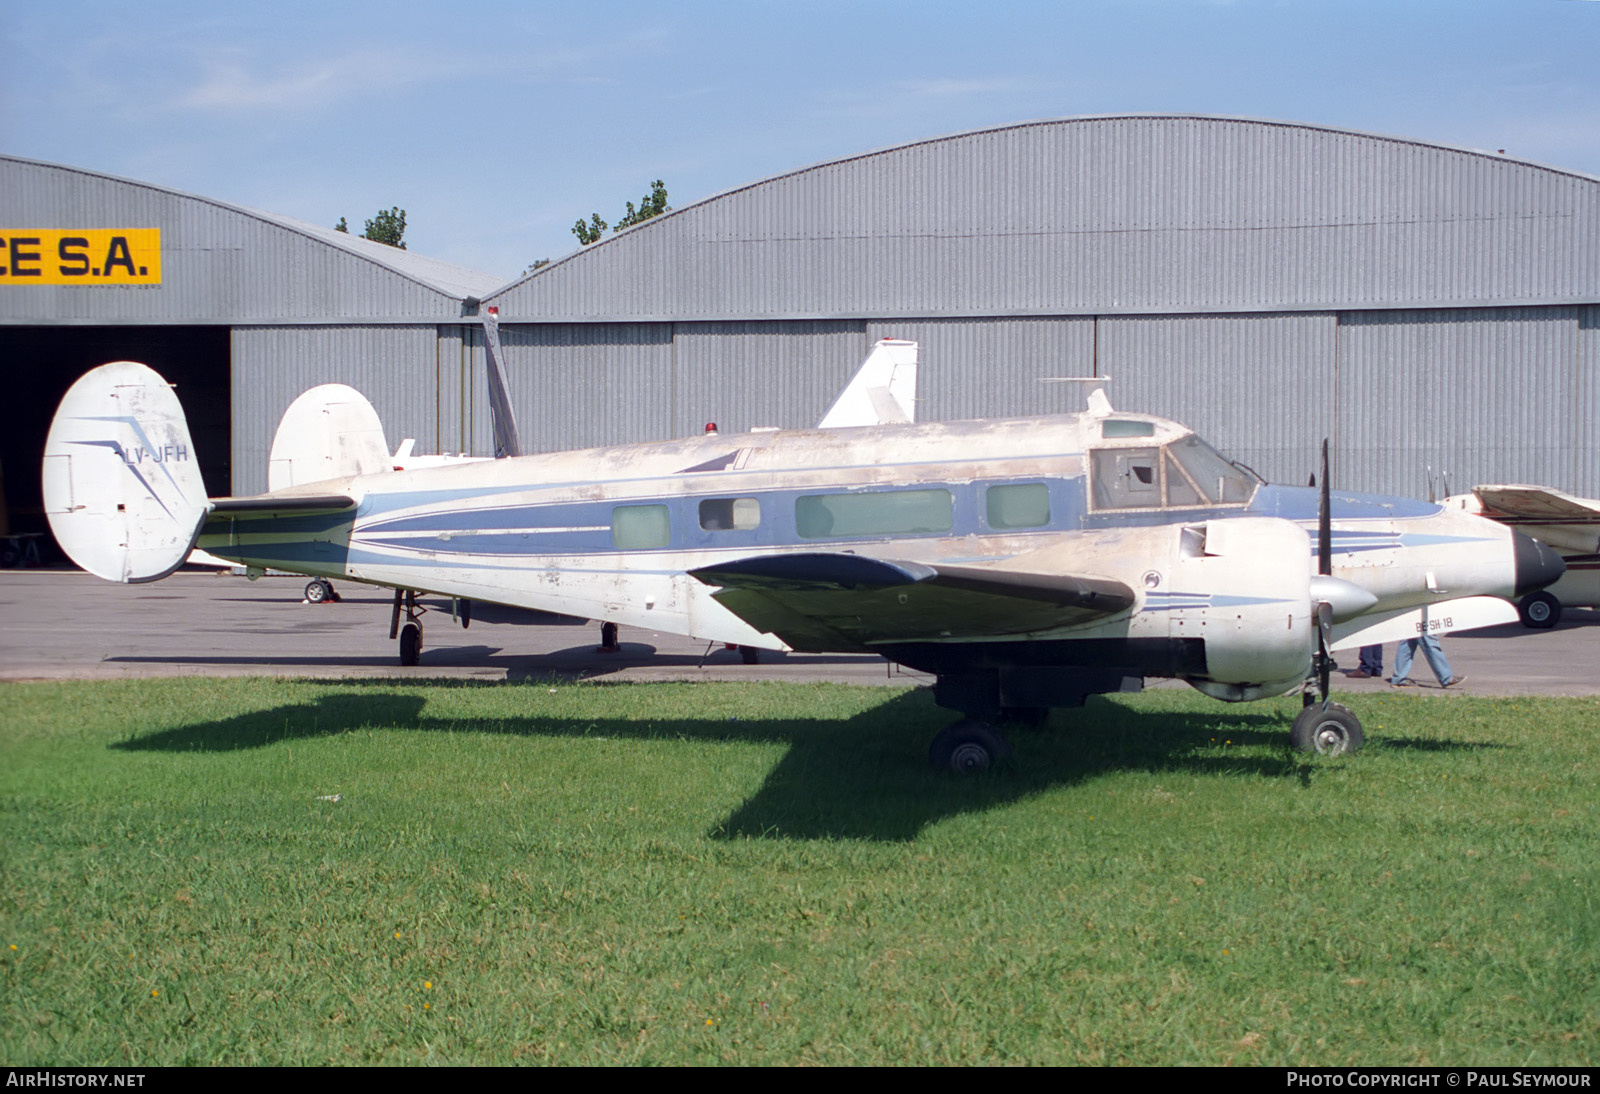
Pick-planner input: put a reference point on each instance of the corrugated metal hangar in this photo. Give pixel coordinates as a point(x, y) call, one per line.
point(1266, 283)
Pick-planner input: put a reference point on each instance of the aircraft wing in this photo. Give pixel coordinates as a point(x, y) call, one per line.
point(1537, 505)
point(814, 601)
point(1570, 525)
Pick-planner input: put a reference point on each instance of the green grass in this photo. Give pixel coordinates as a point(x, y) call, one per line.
point(769, 873)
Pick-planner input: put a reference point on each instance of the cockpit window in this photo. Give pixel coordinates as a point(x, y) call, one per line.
point(1218, 480)
point(1184, 474)
point(1126, 478)
point(1181, 489)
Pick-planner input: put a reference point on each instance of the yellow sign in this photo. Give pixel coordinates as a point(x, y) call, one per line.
point(80, 256)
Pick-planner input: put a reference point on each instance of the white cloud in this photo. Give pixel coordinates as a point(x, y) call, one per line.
point(233, 81)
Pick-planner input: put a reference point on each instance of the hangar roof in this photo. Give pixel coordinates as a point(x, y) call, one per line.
point(219, 263)
point(1122, 214)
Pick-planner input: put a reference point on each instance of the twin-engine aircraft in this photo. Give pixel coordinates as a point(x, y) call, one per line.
point(1026, 563)
point(1570, 525)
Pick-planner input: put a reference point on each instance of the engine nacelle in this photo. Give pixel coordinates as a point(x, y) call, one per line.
point(1242, 585)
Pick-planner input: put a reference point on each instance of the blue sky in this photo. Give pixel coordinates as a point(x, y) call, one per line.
point(496, 125)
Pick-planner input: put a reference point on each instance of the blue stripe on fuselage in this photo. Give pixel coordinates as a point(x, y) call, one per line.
point(584, 527)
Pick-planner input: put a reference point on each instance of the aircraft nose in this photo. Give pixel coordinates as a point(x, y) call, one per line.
point(1537, 565)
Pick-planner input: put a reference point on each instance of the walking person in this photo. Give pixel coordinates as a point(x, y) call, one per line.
point(1436, 661)
point(1371, 666)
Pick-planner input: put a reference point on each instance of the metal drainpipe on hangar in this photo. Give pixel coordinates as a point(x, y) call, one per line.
point(1267, 283)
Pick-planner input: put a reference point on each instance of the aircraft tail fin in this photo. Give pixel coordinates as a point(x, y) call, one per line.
point(883, 390)
point(122, 488)
point(329, 431)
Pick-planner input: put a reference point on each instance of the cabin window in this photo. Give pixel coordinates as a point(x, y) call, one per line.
point(730, 514)
point(634, 527)
point(1126, 478)
point(1021, 505)
point(881, 513)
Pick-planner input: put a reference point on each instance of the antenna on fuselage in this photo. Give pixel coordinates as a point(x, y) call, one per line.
point(1099, 403)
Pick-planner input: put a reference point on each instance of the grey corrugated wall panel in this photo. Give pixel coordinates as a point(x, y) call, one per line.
point(576, 386)
point(1258, 388)
point(394, 367)
point(994, 368)
point(743, 375)
point(1478, 396)
point(1101, 216)
point(463, 425)
point(220, 263)
point(1586, 477)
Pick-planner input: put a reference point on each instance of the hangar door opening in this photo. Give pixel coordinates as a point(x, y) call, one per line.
point(42, 362)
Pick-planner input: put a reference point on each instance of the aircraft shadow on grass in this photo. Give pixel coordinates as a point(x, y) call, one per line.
point(863, 777)
point(578, 662)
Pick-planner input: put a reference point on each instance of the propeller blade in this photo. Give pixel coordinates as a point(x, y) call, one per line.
point(1325, 522)
point(1324, 635)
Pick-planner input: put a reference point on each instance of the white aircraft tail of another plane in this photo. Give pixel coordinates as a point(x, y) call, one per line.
point(883, 390)
point(329, 432)
point(122, 488)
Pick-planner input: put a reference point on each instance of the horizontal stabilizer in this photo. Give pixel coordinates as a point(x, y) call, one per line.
point(814, 599)
point(269, 504)
point(122, 488)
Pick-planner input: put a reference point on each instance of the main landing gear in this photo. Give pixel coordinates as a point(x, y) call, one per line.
point(1326, 728)
point(1323, 727)
point(405, 600)
point(319, 590)
point(969, 747)
point(1539, 611)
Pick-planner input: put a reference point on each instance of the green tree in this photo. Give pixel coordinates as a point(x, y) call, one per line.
point(589, 233)
point(342, 227)
point(387, 227)
point(652, 204)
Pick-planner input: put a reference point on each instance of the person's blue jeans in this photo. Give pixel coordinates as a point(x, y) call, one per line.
point(1430, 650)
point(1372, 660)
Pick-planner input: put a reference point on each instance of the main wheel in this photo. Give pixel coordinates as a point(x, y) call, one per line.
point(411, 644)
point(750, 655)
point(318, 590)
point(968, 748)
point(1329, 730)
point(1539, 611)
